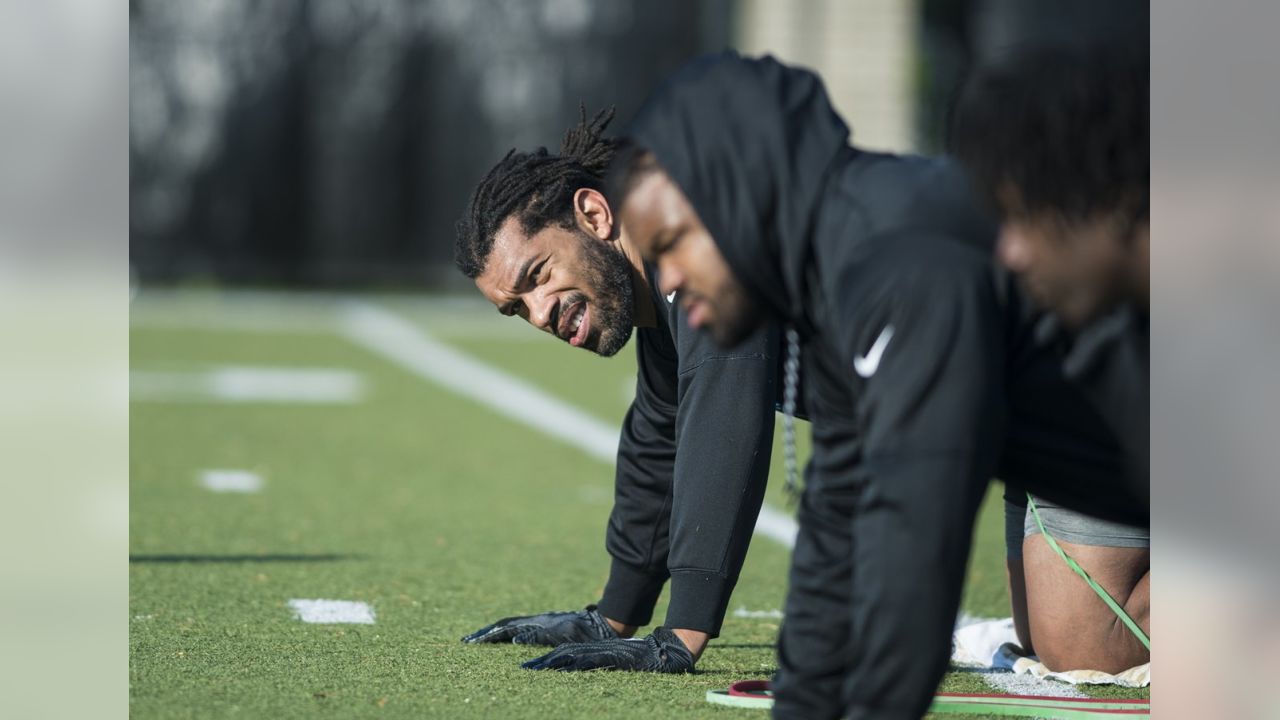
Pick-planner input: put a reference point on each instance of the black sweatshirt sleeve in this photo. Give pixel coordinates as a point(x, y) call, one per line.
point(638, 535)
point(920, 340)
point(689, 515)
point(724, 431)
point(931, 418)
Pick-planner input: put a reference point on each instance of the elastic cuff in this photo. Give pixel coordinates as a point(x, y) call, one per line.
point(698, 601)
point(630, 594)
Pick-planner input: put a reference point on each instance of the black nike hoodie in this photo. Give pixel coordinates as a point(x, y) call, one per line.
point(922, 374)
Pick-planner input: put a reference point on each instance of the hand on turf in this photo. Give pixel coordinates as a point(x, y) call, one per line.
point(660, 652)
point(552, 628)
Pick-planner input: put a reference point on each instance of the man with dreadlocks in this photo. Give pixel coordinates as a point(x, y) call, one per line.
point(541, 243)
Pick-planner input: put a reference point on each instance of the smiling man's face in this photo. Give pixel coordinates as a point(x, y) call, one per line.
point(565, 281)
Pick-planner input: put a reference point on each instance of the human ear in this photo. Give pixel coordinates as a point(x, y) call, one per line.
point(593, 213)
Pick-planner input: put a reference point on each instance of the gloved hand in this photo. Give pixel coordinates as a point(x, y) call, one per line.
point(662, 651)
point(553, 628)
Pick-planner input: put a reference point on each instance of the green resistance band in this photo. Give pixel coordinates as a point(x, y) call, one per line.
point(1106, 598)
point(755, 694)
point(1038, 706)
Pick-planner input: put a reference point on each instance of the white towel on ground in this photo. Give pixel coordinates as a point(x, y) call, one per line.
point(994, 644)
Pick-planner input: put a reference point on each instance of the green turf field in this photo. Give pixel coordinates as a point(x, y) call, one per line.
point(438, 512)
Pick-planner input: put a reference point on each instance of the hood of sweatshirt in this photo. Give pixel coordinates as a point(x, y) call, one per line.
point(750, 142)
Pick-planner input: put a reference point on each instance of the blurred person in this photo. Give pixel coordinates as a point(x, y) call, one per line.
point(542, 244)
point(922, 376)
point(1058, 138)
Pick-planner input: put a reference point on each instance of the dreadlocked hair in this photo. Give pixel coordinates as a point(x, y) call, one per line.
point(536, 187)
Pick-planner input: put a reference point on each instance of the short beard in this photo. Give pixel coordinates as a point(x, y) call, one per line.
point(613, 314)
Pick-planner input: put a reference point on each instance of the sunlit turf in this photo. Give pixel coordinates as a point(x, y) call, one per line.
point(439, 513)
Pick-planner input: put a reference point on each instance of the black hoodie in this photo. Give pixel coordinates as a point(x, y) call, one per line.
point(923, 377)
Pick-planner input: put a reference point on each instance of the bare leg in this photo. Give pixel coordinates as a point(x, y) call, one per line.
point(1072, 628)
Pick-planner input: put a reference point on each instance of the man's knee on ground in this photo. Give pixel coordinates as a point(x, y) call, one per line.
point(1071, 627)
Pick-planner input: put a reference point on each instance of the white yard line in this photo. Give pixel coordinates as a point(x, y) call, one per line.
point(332, 612)
point(387, 334)
point(227, 322)
point(742, 612)
point(233, 384)
point(310, 313)
point(398, 340)
point(230, 481)
point(777, 526)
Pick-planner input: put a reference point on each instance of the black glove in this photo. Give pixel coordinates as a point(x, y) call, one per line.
point(660, 652)
point(553, 628)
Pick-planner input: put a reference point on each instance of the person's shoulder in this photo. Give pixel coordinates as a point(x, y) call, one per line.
point(916, 261)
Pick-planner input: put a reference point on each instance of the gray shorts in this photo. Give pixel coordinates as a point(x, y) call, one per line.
point(1069, 526)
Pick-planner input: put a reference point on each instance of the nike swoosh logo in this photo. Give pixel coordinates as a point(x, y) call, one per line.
point(866, 365)
point(671, 297)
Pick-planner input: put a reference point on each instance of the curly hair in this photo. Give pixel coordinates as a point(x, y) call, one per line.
point(537, 187)
point(1066, 129)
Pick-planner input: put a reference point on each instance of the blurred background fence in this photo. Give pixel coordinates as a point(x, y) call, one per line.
point(333, 143)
